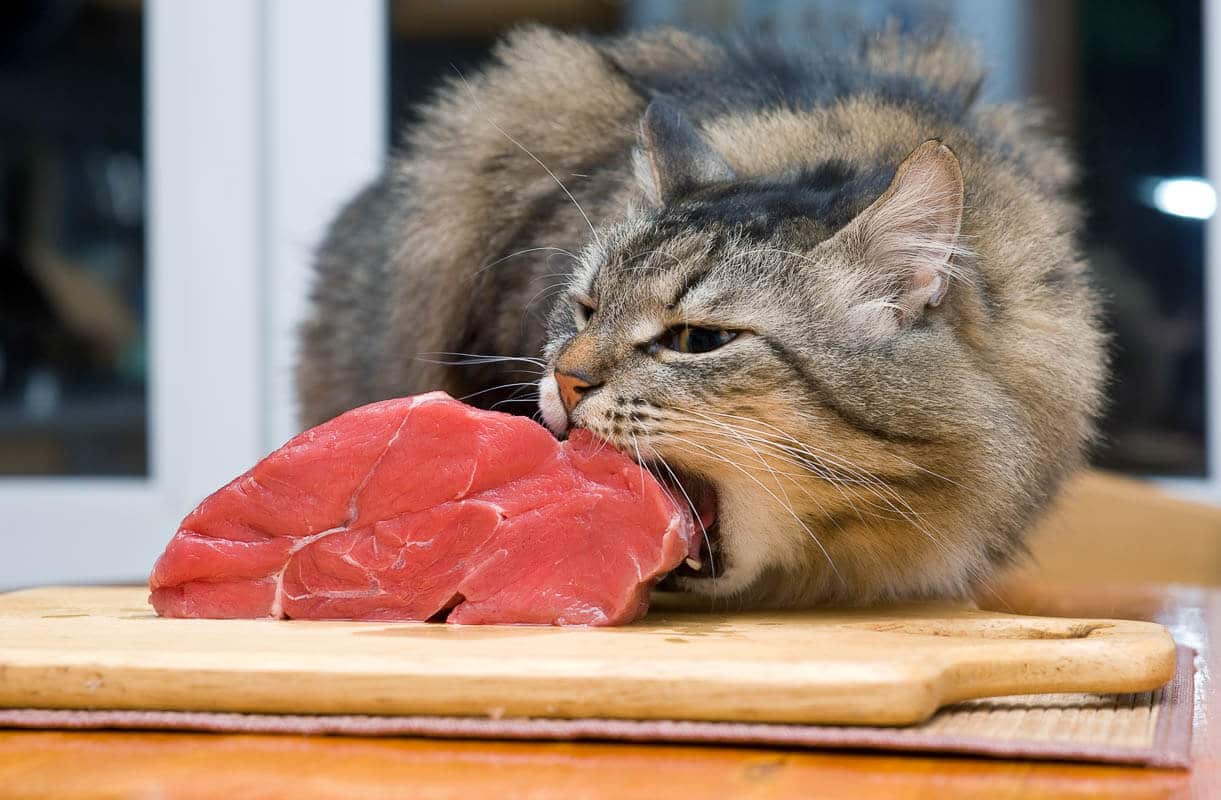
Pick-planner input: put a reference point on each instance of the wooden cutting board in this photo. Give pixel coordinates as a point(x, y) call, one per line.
point(103, 648)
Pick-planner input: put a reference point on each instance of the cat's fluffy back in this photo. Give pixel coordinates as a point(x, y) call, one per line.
point(477, 178)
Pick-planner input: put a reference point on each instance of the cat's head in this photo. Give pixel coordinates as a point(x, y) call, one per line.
point(779, 347)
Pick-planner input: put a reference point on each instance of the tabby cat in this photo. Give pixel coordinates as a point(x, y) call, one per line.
point(829, 294)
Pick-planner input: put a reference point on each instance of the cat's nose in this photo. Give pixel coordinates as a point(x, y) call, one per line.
point(574, 385)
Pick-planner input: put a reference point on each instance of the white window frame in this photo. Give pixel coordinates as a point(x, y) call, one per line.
point(261, 117)
point(1212, 247)
point(1208, 488)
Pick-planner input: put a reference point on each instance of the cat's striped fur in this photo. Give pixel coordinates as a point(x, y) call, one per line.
point(907, 394)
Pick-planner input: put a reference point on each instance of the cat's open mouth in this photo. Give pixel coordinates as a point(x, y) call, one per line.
point(700, 495)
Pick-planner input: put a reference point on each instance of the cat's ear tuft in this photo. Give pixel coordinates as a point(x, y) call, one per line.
point(672, 158)
point(909, 236)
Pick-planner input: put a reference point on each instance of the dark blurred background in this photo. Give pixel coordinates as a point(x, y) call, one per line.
point(1122, 80)
point(72, 272)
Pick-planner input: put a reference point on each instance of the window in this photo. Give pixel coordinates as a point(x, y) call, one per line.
point(73, 356)
point(186, 156)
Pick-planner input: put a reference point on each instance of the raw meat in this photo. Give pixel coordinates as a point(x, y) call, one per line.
point(409, 508)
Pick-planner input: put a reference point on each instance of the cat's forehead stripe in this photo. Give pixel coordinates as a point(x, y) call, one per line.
point(827, 196)
point(692, 280)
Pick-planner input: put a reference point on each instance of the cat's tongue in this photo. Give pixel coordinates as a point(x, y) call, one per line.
point(703, 498)
point(706, 507)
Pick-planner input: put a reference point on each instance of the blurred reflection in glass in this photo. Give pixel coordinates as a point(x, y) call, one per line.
point(72, 213)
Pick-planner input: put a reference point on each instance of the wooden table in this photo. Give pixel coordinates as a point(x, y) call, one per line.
point(169, 765)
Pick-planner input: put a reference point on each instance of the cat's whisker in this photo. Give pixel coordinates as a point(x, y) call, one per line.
point(785, 504)
point(757, 250)
point(502, 386)
point(762, 461)
point(775, 474)
point(796, 443)
point(889, 497)
point(823, 456)
point(747, 434)
point(861, 516)
point(623, 268)
point(479, 358)
point(514, 398)
point(856, 478)
point(807, 493)
point(907, 513)
point(816, 466)
point(695, 514)
point(562, 274)
point(535, 374)
point(783, 453)
point(499, 403)
point(530, 388)
point(639, 461)
point(545, 293)
point(475, 99)
point(520, 370)
point(880, 489)
point(526, 251)
point(835, 484)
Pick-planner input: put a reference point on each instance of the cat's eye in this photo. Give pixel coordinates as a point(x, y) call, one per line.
point(697, 340)
point(584, 309)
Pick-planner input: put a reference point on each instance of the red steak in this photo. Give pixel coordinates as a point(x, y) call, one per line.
point(404, 509)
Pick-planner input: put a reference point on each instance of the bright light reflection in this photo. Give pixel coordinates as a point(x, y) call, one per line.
point(1183, 197)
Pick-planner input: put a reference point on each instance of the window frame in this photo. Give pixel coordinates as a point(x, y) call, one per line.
point(237, 99)
point(1208, 488)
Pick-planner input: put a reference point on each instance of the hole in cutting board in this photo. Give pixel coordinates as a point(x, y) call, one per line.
point(987, 628)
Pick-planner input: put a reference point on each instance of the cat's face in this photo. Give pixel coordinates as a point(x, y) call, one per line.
point(683, 346)
point(748, 360)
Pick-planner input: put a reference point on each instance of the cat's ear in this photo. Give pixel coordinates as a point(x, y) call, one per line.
point(672, 157)
point(908, 237)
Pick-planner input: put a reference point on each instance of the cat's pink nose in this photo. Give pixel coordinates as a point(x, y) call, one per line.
point(574, 386)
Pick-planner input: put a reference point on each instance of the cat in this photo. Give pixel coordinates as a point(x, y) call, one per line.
point(831, 296)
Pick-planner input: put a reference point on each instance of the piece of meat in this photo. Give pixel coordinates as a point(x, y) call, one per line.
point(408, 508)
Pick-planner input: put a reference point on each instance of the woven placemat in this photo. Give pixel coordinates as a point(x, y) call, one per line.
point(1151, 728)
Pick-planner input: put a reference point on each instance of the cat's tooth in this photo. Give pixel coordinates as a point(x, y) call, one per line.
point(694, 563)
